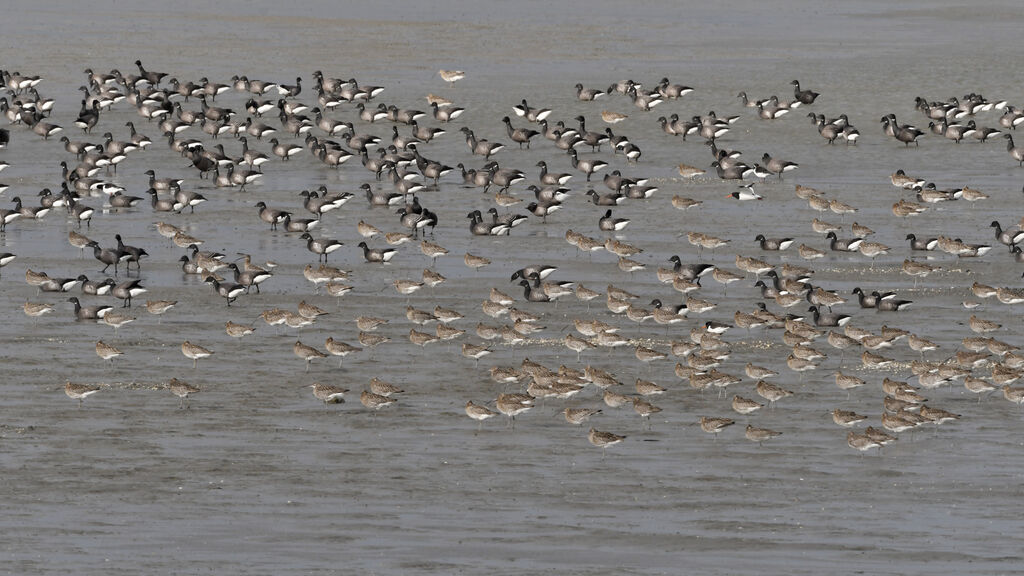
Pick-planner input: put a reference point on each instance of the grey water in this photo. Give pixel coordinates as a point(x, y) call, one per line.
point(260, 477)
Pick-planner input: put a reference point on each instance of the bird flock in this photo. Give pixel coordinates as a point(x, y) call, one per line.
point(233, 135)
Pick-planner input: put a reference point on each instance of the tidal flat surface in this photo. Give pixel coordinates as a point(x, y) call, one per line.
point(260, 477)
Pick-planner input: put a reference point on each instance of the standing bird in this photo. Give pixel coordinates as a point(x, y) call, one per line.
point(609, 224)
point(543, 209)
point(381, 255)
point(128, 290)
point(107, 256)
point(828, 131)
point(479, 413)
point(80, 212)
point(250, 278)
point(375, 401)
point(79, 391)
point(591, 138)
point(776, 166)
point(183, 390)
point(194, 352)
point(603, 439)
point(150, 76)
point(715, 425)
point(587, 166)
point(283, 151)
point(321, 247)
point(552, 178)
point(481, 147)
point(329, 394)
point(132, 253)
point(803, 96)
point(451, 76)
point(1008, 237)
point(519, 135)
point(513, 404)
point(270, 215)
point(773, 243)
point(307, 353)
point(88, 117)
point(1016, 152)
point(228, 290)
point(106, 351)
point(905, 133)
point(759, 435)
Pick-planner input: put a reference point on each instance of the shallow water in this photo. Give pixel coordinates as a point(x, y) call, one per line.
point(259, 477)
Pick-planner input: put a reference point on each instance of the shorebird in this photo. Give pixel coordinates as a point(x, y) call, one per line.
point(876, 435)
point(759, 435)
point(329, 394)
point(479, 413)
point(603, 439)
point(375, 401)
point(432, 278)
point(116, 320)
point(36, 310)
point(340, 349)
point(745, 405)
point(79, 391)
point(861, 441)
point(309, 311)
point(645, 409)
point(307, 353)
point(612, 117)
point(183, 390)
point(406, 287)
point(378, 386)
point(371, 340)
point(513, 404)
point(432, 250)
point(978, 386)
point(577, 416)
point(937, 415)
point(451, 76)
point(194, 352)
point(713, 425)
point(421, 339)
point(475, 351)
point(160, 307)
point(846, 418)
point(1015, 395)
point(238, 330)
point(771, 392)
point(106, 351)
point(981, 326)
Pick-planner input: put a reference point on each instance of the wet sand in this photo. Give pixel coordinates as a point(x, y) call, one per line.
point(259, 476)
